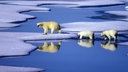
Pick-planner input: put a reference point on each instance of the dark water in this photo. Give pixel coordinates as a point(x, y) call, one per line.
point(70, 56)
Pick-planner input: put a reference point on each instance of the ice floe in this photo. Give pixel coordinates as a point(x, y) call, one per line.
point(87, 3)
point(96, 3)
point(37, 36)
point(126, 7)
point(19, 69)
point(11, 13)
point(119, 13)
point(123, 43)
point(8, 25)
point(95, 26)
point(12, 47)
point(124, 13)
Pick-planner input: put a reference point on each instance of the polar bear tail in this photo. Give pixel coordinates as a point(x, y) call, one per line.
point(59, 29)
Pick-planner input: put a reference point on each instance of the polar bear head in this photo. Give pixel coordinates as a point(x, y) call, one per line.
point(103, 34)
point(40, 24)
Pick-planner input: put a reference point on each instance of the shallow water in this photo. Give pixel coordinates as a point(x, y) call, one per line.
point(70, 56)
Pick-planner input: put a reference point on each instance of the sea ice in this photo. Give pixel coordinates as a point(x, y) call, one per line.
point(123, 43)
point(8, 25)
point(19, 69)
point(37, 36)
point(12, 47)
point(11, 13)
point(95, 26)
point(119, 13)
point(68, 3)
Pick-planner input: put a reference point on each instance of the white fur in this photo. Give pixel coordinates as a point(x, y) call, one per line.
point(86, 34)
point(109, 34)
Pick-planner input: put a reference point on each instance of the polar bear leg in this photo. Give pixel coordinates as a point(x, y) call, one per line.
point(91, 37)
point(52, 44)
point(60, 31)
point(45, 31)
point(115, 38)
point(109, 37)
point(81, 36)
point(52, 30)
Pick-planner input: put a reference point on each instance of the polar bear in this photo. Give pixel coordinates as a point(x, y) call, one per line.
point(109, 46)
point(52, 48)
point(89, 34)
point(88, 43)
point(49, 26)
point(109, 34)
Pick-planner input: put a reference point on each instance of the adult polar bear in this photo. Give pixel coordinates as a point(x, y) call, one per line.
point(109, 34)
point(49, 26)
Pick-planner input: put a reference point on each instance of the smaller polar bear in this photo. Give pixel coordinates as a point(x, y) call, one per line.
point(109, 34)
point(89, 34)
point(49, 26)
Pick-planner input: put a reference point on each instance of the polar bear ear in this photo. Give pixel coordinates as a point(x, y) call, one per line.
point(38, 24)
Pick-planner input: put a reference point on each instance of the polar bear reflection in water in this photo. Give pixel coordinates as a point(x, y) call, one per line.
point(86, 43)
point(50, 47)
point(89, 41)
point(109, 46)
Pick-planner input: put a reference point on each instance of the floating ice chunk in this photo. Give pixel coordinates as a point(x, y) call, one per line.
point(12, 13)
point(112, 15)
point(12, 47)
point(95, 26)
point(124, 13)
point(126, 7)
point(19, 8)
point(13, 17)
point(123, 43)
point(35, 3)
point(119, 13)
point(19, 69)
point(8, 25)
point(93, 3)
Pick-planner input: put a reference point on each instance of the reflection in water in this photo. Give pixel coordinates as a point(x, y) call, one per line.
point(109, 46)
point(50, 47)
point(86, 43)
